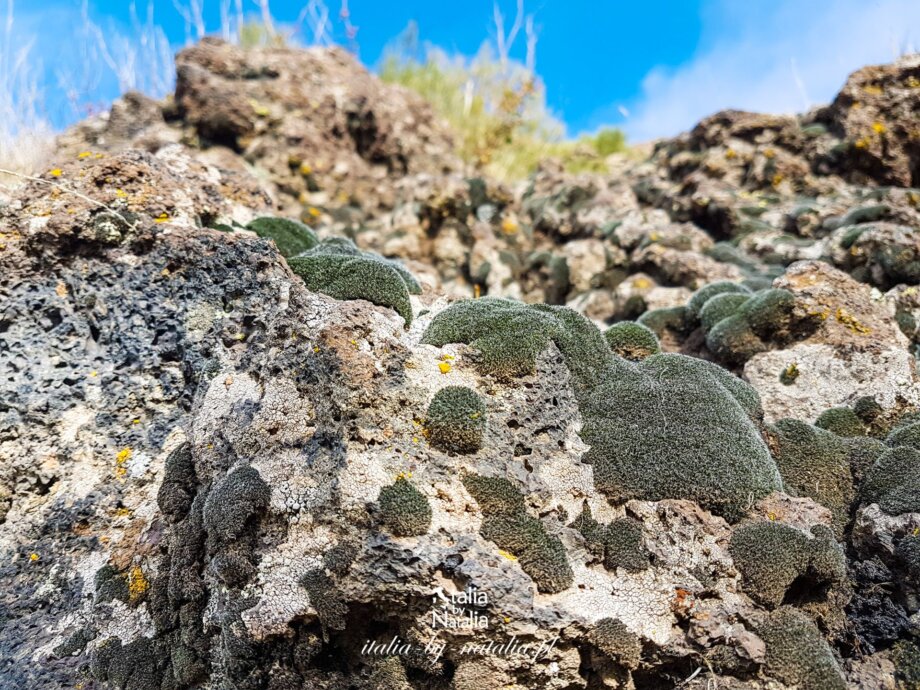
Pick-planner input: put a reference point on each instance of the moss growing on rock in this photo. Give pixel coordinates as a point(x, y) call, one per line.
point(324, 597)
point(769, 313)
point(905, 655)
point(705, 293)
point(632, 340)
point(907, 435)
point(707, 447)
point(815, 463)
point(772, 556)
point(618, 545)
point(908, 551)
point(613, 638)
point(733, 341)
point(796, 652)
point(456, 420)
point(290, 236)
point(507, 524)
point(404, 509)
point(841, 421)
point(894, 481)
point(337, 268)
point(720, 307)
point(659, 321)
point(233, 500)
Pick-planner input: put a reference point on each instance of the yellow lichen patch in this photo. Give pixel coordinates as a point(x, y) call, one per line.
point(137, 584)
point(93, 374)
point(447, 357)
point(873, 90)
point(477, 292)
point(61, 289)
point(771, 516)
point(444, 367)
point(121, 462)
point(305, 169)
point(314, 212)
point(162, 218)
point(84, 155)
point(56, 172)
point(879, 128)
point(642, 283)
point(315, 349)
point(509, 227)
point(135, 421)
point(769, 153)
point(404, 475)
point(121, 194)
point(856, 105)
point(259, 109)
point(912, 82)
point(730, 153)
point(654, 237)
point(848, 320)
point(777, 180)
point(34, 557)
point(861, 143)
point(505, 554)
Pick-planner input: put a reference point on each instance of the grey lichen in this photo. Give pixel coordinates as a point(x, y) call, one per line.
point(404, 509)
point(456, 420)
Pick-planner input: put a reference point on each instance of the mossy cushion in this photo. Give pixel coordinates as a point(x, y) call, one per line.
point(290, 236)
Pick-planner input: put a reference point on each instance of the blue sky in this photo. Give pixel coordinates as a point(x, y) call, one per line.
point(653, 67)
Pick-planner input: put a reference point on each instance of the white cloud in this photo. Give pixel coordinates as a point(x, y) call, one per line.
point(783, 59)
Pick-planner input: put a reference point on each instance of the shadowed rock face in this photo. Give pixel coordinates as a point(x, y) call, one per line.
point(213, 477)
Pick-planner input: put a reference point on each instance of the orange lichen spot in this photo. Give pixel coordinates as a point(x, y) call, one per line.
point(314, 212)
point(507, 555)
point(509, 227)
point(83, 155)
point(477, 291)
point(879, 128)
point(228, 381)
point(137, 584)
point(848, 320)
point(61, 289)
point(162, 218)
point(444, 367)
point(56, 172)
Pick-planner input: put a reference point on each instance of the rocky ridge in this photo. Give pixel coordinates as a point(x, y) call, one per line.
point(242, 455)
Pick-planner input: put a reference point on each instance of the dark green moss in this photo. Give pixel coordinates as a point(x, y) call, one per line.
point(324, 597)
point(404, 509)
point(336, 267)
point(769, 313)
point(632, 340)
point(128, 667)
point(908, 551)
point(111, 584)
point(507, 524)
point(389, 674)
point(233, 500)
point(456, 420)
point(814, 463)
point(894, 481)
point(841, 421)
point(867, 409)
point(613, 638)
point(618, 545)
point(177, 491)
point(905, 655)
point(797, 653)
point(707, 446)
point(291, 237)
point(660, 321)
point(907, 435)
point(705, 293)
point(720, 307)
point(864, 451)
point(772, 556)
point(733, 341)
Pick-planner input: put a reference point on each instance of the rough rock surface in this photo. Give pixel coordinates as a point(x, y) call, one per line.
point(213, 477)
